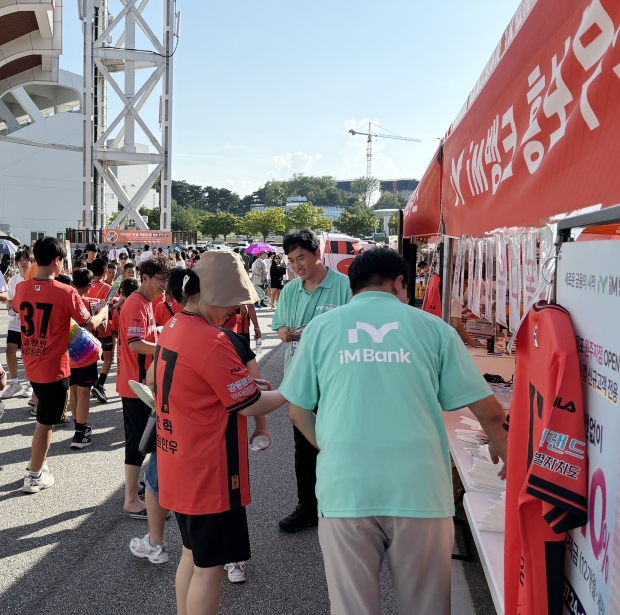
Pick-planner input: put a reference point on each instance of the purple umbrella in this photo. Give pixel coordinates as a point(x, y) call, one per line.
point(257, 248)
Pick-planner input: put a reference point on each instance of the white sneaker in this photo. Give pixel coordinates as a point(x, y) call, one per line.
point(27, 390)
point(142, 547)
point(236, 572)
point(45, 467)
point(13, 389)
point(34, 485)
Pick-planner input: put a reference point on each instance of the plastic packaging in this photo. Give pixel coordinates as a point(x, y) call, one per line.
point(258, 349)
point(260, 443)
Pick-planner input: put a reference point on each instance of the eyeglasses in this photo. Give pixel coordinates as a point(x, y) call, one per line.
point(160, 279)
point(123, 257)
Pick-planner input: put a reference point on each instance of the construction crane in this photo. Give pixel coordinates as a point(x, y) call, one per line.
point(370, 135)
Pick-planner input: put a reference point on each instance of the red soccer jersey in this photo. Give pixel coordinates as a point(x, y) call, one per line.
point(136, 322)
point(164, 310)
point(547, 476)
point(200, 432)
point(97, 290)
point(45, 309)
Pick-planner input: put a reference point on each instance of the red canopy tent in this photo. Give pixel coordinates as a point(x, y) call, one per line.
point(538, 134)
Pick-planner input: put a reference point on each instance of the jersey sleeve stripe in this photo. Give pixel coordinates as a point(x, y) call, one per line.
point(245, 403)
point(134, 339)
point(576, 518)
point(566, 494)
point(552, 516)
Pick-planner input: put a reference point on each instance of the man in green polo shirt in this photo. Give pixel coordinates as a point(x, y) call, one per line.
point(381, 372)
point(316, 290)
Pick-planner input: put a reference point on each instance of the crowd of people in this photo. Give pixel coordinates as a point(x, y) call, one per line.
point(365, 377)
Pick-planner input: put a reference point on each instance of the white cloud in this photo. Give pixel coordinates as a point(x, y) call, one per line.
point(295, 163)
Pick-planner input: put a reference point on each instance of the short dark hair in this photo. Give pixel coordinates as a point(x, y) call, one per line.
point(63, 278)
point(98, 266)
point(303, 238)
point(112, 265)
point(47, 249)
point(375, 267)
point(91, 247)
point(147, 247)
point(82, 278)
point(422, 264)
point(128, 265)
point(153, 266)
point(23, 254)
point(129, 286)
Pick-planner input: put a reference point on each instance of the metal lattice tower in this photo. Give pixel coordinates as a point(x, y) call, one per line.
point(110, 50)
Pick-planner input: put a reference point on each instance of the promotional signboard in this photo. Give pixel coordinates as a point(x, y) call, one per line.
point(120, 237)
point(588, 286)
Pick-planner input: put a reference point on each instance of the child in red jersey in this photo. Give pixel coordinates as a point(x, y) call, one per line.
point(97, 292)
point(137, 337)
point(45, 309)
point(82, 378)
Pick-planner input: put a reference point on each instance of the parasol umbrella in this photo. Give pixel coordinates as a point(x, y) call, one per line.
point(257, 248)
point(7, 247)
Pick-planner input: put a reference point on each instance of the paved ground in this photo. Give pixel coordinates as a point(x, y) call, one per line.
point(65, 550)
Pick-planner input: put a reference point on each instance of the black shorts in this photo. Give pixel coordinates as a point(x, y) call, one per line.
point(107, 343)
point(14, 337)
point(135, 416)
point(84, 376)
point(216, 539)
point(52, 400)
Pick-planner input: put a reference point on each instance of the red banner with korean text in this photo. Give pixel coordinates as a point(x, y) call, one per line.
point(421, 215)
point(120, 236)
point(539, 133)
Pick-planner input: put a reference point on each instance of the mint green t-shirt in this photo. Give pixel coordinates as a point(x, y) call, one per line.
point(380, 372)
point(297, 306)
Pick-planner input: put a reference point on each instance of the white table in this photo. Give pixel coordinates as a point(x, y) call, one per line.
point(503, 365)
point(490, 545)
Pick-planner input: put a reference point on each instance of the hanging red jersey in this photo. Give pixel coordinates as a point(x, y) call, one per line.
point(164, 310)
point(432, 297)
point(547, 477)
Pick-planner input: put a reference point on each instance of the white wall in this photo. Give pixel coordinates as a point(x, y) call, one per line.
point(41, 189)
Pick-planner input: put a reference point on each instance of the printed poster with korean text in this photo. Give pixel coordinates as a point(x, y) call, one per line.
point(588, 286)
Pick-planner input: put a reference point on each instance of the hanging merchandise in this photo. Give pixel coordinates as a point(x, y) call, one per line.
point(546, 251)
point(514, 279)
point(432, 297)
point(501, 277)
point(547, 480)
point(471, 261)
point(530, 269)
point(457, 292)
point(477, 279)
point(488, 295)
point(463, 267)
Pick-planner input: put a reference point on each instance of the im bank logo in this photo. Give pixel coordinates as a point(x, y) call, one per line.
point(370, 355)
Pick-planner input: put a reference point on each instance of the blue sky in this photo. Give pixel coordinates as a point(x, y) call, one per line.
point(266, 89)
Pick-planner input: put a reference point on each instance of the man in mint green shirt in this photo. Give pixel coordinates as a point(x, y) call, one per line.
point(316, 291)
point(381, 372)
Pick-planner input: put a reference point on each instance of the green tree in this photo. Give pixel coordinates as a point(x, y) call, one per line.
point(275, 193)
point(228, 224)
point(153, 216)
point(364, 187)
point(317, 189)
point(183, 219)
point(357, 224)
point(264, 223)
point(390, 201)
point(306, 215)
point(209, 226)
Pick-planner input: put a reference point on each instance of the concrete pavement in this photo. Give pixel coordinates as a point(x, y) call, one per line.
point(66, 549)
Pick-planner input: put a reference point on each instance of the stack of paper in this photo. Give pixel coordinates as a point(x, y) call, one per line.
point(494, 519)
point(484, 471)
point(473, 435)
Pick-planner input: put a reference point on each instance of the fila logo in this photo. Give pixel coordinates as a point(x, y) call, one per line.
point(569, 407)
point(234, 482)
point(37, 287)
point(235, 370)
point(376, 335)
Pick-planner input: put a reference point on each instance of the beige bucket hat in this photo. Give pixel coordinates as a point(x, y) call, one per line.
point(223, 280)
